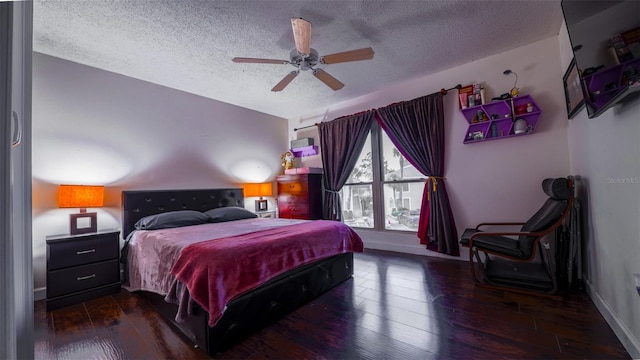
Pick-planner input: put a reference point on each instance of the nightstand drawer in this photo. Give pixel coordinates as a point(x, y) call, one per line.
point(66, 281)
point(79, 251)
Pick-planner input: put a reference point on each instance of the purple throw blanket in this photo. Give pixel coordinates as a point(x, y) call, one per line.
point(219, 270)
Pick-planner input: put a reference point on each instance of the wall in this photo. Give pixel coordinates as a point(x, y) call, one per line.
point(91, 126)
point(604, 155)
point(490, 181)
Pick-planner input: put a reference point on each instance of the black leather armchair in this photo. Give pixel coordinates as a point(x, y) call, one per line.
point(510, 263)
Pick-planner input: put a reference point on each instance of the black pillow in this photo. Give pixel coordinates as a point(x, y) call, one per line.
point(229, 213)
point(172, 219)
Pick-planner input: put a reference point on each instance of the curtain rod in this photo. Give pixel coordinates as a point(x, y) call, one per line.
point(442, 91)
point(305, 127)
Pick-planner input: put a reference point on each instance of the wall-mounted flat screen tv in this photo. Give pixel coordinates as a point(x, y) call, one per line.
point(605, 37)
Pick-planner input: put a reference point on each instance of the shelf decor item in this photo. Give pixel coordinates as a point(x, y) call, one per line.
point(514, 90)
point(573, 93)
point(463, 93)
point(83, 197)
point(520, 126)
point(288, 160)
point(517, 116)
point(303, 147)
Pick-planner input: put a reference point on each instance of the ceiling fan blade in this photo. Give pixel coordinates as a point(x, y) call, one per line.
point(285, 81)
point(258, 61)
point(302, 35)
point(329, 80)
point(351, 55)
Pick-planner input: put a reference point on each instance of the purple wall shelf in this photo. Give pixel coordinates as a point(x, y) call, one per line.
point(305, 151)
point(498, 122)
point(611, 86)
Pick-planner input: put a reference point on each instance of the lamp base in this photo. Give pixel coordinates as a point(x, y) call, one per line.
point(261, 205)
point(83, 223)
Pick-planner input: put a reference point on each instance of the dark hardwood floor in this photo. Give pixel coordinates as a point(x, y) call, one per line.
point(395, 307)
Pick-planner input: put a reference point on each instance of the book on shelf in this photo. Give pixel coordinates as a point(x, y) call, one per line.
point(626, 45)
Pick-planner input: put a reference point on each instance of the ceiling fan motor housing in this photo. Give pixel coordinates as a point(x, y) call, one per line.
point(302, 61)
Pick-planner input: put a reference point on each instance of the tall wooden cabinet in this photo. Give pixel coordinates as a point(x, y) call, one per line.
point(300, 196)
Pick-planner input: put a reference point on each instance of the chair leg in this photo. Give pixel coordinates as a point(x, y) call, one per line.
point(552, 265)
point(473, 253)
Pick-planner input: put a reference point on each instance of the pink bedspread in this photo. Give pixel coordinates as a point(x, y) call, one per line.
point(218, 270)
point(152, 253)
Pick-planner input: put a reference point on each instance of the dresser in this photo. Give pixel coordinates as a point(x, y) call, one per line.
point(82, 267)
point(300, 196)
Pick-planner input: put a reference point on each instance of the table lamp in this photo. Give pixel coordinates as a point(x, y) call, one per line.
point(81, 196)
point(259, 189)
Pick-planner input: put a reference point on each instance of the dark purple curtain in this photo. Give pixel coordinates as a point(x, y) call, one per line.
point(341, 142)
point(416, 128)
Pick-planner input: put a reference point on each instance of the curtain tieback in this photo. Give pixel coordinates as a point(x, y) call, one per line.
point(434, 184)
point(334, 192)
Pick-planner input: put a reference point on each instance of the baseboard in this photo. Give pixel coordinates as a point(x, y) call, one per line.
point(630, 343)
point(39, 294)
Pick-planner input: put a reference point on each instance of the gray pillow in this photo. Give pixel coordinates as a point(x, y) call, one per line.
point(172, 219)
point(229, 213)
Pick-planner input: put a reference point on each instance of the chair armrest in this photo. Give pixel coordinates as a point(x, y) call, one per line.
point(508, 233)
point(498, 223)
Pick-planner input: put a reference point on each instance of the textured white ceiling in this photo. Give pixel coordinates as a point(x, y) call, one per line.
point(188, 45)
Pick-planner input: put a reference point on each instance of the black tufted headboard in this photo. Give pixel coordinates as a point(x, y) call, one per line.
point(137, 204)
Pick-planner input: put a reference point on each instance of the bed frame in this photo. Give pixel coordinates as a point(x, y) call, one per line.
point(249, 312)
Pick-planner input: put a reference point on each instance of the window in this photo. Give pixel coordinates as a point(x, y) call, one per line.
point(384, 191)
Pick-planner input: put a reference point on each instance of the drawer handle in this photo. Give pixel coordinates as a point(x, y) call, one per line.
point(86, 277)
point(85, 252)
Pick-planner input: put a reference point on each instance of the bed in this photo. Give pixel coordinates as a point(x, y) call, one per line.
point(247, 310)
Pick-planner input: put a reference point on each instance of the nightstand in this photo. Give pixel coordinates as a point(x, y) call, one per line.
point(266, 214)
point(82, 267)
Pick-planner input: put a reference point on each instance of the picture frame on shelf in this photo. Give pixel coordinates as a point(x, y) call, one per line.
point(573, 92)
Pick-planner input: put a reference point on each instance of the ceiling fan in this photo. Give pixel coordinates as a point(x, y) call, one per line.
point(304, 58)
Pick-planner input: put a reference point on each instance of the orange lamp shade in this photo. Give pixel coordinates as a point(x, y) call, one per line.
point(260, 189)
point(80, 196)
